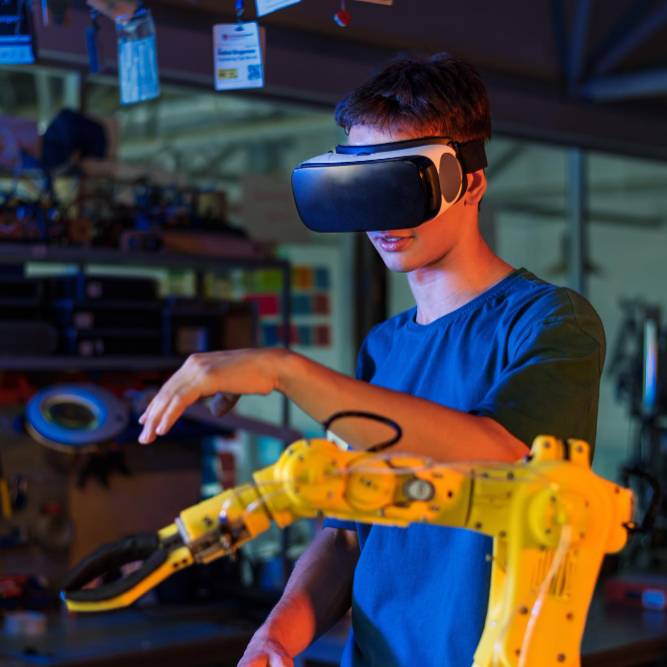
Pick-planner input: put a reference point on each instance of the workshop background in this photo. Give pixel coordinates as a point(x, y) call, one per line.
point(184, 219)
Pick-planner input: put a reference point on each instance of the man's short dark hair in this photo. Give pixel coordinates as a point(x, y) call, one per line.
point(438, 95)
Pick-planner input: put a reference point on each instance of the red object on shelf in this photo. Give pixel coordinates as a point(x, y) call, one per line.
point(12, 586)
point(267, 304)
point(15, 389)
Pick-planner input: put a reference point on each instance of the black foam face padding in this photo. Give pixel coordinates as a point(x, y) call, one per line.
point(397, 193)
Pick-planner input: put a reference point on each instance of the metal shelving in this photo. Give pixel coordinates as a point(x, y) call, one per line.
point(19, 253)
point(63, 362)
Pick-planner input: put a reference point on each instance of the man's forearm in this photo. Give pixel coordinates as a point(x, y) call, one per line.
point(317, 594)
point(429, 429)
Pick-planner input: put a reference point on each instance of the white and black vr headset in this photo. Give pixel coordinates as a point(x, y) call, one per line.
point(396, 185)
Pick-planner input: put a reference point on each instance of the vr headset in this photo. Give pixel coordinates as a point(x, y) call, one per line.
point(396, 185)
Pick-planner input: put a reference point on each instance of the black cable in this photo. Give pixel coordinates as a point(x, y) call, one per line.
point(374, 417)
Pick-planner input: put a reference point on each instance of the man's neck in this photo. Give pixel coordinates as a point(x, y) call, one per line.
point(464, 273)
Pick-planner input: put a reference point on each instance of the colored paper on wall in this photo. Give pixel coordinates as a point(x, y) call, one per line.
point(302, 277)
point(322, 279)
point(320, 304)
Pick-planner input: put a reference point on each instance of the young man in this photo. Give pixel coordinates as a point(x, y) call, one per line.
point(490, 358)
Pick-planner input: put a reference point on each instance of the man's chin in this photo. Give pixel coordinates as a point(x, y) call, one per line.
point(398, 264)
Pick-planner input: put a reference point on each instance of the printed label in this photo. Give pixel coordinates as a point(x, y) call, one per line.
point(237, 56)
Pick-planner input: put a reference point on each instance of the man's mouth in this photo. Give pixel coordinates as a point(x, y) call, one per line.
point(392, 242)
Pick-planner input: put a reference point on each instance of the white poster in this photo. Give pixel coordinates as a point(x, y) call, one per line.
point(268, 6)
point(237, 56)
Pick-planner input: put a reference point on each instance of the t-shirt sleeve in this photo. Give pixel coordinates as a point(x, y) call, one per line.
point(339, 523)
point(551, 384)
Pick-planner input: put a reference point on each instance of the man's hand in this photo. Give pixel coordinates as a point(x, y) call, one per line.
point(232, 372)
point(265, 652)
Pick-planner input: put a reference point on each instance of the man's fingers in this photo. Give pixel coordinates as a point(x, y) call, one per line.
point(148, 432)
point(269, 659)
point(182, 389)
point(154, 414)
point(173, 411)
point(258, 660)
point(167, 407)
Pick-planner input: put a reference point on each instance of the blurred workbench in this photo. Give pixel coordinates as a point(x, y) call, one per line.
point(199, 636)
point(216, 635)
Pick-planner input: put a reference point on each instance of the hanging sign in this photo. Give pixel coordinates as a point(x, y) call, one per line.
point(237, 56)
point(16, 39)
point(268, 6)
point(137, 58)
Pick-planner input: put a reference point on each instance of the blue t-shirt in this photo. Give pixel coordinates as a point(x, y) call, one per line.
point(525, 353)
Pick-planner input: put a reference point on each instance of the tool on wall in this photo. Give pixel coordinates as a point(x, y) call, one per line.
point(639, 365)
point(91, 427)
point(75, 418)
point(13, 499)
point(82, 422)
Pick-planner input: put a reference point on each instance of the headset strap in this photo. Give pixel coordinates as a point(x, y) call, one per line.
point(471, 154)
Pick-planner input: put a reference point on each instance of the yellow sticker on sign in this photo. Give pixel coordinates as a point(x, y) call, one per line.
point(228, 74)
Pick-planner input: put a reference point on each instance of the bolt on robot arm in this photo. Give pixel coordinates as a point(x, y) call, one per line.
point(551, 518)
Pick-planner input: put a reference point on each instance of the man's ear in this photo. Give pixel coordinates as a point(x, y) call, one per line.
point(476, 188)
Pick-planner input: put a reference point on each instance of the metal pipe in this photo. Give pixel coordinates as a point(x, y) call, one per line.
point(576, 204)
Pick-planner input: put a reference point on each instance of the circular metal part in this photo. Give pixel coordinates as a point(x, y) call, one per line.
point(75, 418)
point(419, 489)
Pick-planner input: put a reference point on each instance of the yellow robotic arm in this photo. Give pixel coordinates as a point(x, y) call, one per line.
point(551, 517)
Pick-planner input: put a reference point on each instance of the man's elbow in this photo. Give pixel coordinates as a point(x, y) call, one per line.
point(508, 446)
